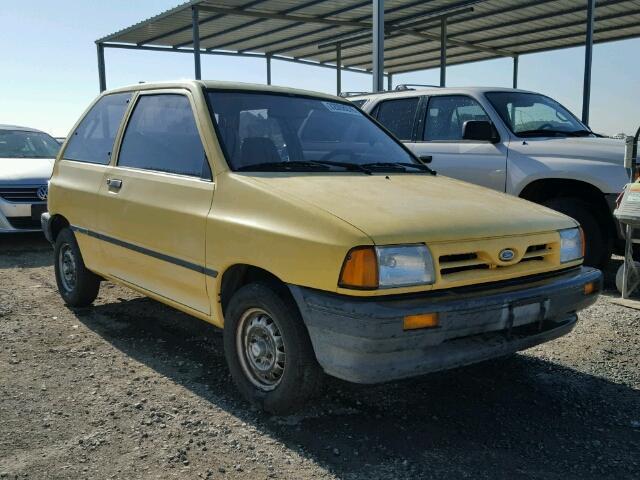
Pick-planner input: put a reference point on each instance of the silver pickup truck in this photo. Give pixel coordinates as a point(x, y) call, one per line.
point(519, 142)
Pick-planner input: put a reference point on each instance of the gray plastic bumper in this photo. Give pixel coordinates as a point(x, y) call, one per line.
point(361, 339)
point(45, 221)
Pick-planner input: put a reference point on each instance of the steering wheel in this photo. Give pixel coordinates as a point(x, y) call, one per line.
point(334, 153)
point(545, 126)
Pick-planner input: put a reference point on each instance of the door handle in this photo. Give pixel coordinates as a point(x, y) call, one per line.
point(114, 183)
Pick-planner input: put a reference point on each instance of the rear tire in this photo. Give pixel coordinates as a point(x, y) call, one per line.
point(268, 350)
point(78, 286)
point(598, 246)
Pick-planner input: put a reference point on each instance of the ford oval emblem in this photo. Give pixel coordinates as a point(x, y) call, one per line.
point(43, 192)
point(506, 255)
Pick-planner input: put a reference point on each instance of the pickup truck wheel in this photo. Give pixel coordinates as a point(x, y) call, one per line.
point(269, 351)
point(598, 246)
point(78, 286)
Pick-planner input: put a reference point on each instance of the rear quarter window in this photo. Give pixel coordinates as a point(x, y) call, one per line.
point(92, 140)
point(398, 116)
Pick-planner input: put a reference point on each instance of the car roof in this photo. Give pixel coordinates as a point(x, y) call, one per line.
point(434, 91)
point(224, 86)
point(18, 127)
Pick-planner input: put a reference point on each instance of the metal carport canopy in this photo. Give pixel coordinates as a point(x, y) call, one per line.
point(330, 32)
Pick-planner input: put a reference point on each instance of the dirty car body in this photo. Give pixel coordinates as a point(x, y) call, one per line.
point(315, 239)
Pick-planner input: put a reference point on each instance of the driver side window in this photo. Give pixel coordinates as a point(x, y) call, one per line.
point(446, 116)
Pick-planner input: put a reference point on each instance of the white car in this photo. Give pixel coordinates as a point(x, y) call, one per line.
point(26, 162)
point(515, 141)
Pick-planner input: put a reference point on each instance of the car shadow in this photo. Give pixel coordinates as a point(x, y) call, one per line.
point(517, 417)
point(27, 250)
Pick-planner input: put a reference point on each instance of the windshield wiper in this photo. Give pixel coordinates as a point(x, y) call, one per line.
point(401, 166)
point(303, 165)
point(554, 133)
point(542, 133)
point(580, 133)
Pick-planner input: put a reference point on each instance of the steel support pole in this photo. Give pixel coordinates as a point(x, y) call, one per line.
point(378, 45)
point(102, 78)
point(515, 71)
point(443, 52)
point(195, 27)
point(338, 68)
point(588, 54)
point(268, 57)
point(390, 82)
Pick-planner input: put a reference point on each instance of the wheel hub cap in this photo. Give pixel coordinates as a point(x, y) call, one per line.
point(67, 264)
point(261, 349)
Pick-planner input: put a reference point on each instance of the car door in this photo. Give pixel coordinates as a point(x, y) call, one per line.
point(439, 135)
point(78, 174)
point(155, 201)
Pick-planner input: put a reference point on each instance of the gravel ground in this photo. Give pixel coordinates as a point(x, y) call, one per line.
point(133, 389)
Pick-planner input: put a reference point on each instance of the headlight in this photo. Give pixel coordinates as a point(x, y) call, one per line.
point(386, 267)
point(571, 245)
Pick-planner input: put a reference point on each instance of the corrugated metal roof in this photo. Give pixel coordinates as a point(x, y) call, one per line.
point(295, 29)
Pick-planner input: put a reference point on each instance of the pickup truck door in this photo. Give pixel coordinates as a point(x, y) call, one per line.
point(155, 201)
point(438, 134)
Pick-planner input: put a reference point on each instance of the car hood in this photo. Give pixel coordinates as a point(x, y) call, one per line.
point(405, 208)
point(607, 150)
point(25, 170)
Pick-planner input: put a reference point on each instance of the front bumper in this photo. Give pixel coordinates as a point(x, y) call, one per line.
point(20, 217)
point(361, 339)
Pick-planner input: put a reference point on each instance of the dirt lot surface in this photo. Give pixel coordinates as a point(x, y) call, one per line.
point(133, 389)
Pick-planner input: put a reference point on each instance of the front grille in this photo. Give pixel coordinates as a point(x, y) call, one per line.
point(480, 260)
point(21, 194)
point(24, 223)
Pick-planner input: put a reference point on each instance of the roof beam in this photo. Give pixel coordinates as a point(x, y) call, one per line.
point(283, 16)
point(348, 58)
point(326, 15)
point(248, 24)
point(532, 31)
point(435, 59)
point(287, 27)
point(189, 27)
point(153, 48)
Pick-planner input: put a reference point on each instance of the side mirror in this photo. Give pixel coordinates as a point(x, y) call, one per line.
point(480, 130)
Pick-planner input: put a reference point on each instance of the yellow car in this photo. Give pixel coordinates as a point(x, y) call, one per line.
point(306, 231)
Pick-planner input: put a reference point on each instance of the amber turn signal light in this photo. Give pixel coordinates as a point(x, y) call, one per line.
point(584, 247)
point(360, 269)
point(423, 320)
point(589, 288)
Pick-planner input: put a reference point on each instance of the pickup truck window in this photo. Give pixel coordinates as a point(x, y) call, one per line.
point(270, 131)
point(92, 141)
point(532, 114)
point(398, 116)
point(162, 135)
point(446, 116)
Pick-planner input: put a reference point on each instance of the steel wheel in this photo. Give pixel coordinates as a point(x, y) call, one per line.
point(261, 349)
point(68, 269)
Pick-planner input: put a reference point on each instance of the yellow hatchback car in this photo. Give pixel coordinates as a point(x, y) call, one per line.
point(306, 231)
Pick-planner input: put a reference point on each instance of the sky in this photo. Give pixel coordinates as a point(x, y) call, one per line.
point(48, 67)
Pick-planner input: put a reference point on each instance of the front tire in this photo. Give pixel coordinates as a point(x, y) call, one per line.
point(268, 350)
point(78, 286)
point(598, 245)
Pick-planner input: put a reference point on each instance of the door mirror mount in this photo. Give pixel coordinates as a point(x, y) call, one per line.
point(480, 130)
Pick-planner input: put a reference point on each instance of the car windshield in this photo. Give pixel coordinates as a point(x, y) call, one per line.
point(26, 144)
point(279, 132)
point(534, 115)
